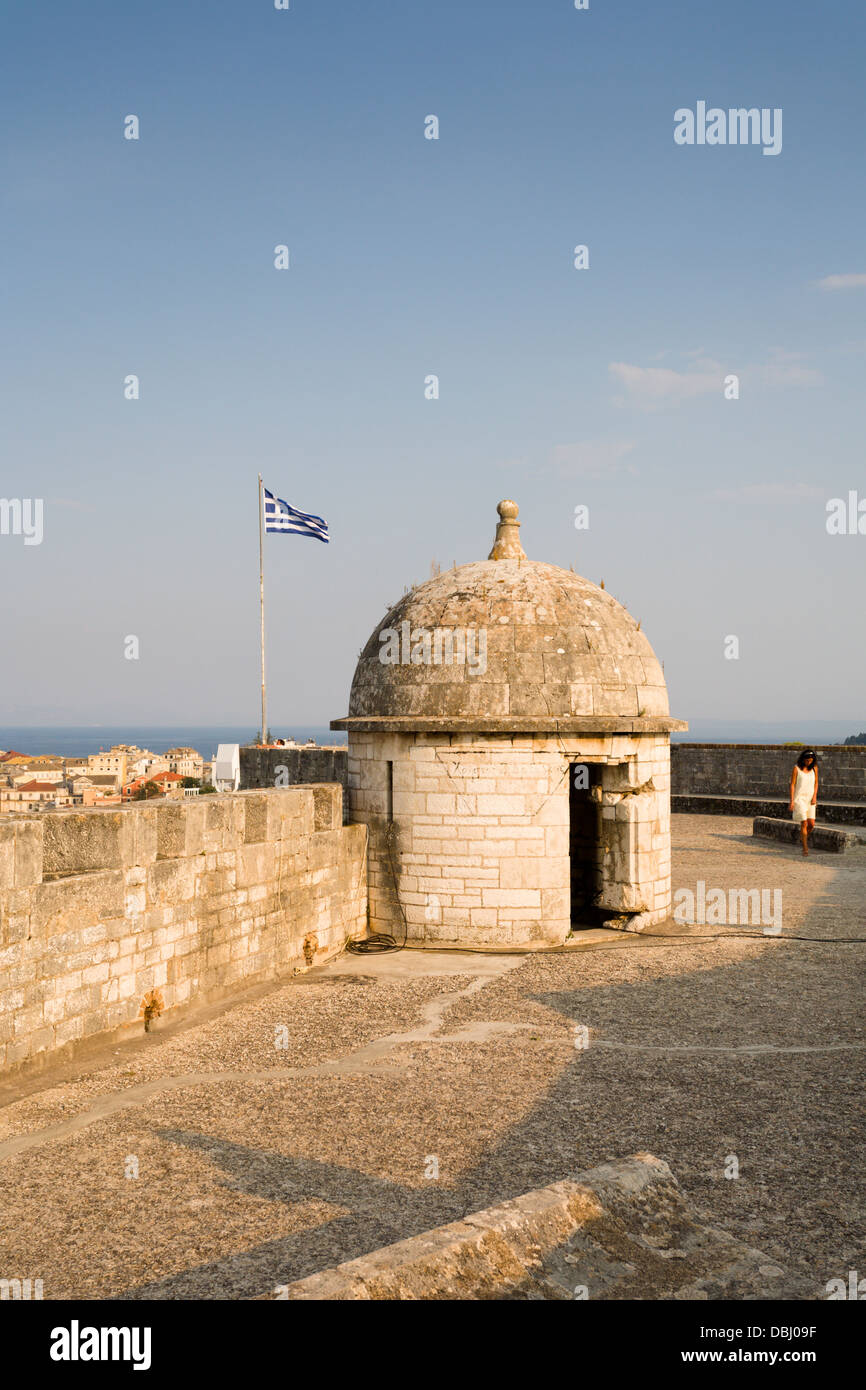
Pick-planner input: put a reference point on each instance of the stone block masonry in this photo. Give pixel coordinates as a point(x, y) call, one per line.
point(193, 899)
point(764, 770)
point(469, 837)
point(292, 767)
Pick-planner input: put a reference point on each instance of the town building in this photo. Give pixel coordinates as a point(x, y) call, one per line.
point(98, 789)
point(33, 795)
point(185, 761)
point(39, 772)
point(144, 764)
point(114, 762)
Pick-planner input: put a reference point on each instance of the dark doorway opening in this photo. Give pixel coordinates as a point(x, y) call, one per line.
point(585, 846)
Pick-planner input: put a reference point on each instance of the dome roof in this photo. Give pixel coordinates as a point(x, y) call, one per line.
point(531, 646)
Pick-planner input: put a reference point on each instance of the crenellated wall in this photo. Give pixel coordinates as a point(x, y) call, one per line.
point(193, 899)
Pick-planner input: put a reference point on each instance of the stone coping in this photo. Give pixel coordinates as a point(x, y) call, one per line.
point(792, 748)
point(700, 804)
point(568, 724)
point(620, 1231)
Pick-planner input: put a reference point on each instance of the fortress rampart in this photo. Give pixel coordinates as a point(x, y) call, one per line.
point(764, 770)
point(107, 913)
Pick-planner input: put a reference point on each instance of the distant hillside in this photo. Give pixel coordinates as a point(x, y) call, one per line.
point(856, 738)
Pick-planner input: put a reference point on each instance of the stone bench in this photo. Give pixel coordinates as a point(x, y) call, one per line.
point(823, 836)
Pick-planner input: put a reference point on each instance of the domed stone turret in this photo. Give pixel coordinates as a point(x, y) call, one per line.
point(508, 640)
point(509, 755)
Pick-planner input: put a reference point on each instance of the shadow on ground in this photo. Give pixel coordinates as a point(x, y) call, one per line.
point(759, 1061)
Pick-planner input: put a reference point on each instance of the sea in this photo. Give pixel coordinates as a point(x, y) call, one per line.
point(77, 741)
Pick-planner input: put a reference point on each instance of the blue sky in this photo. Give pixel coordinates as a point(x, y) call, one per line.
point(409, 256)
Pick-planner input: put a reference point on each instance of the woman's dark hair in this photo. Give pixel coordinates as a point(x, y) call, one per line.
point(807, 753)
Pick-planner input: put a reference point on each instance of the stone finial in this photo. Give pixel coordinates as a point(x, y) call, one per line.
point(506, 545)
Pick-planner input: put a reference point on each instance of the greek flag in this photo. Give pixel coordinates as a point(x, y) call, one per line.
point(279, 516)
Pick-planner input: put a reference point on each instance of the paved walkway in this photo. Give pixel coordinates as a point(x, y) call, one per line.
point(376, 1097)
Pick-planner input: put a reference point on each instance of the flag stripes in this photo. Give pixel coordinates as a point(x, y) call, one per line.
point(279, 516)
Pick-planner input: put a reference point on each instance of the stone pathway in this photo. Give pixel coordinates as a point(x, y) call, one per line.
point(381, 1096)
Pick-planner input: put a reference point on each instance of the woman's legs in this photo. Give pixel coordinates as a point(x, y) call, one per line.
point(806, 828)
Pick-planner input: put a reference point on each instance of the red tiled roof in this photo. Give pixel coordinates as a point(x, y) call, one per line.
point(35, 786)
point(157, 777)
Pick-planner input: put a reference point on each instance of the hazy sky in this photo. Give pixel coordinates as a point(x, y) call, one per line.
point(411, 257)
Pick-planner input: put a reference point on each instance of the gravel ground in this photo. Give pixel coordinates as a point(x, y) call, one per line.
point(258, 1165)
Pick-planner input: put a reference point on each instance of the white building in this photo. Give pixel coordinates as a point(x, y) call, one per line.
point(227, 767)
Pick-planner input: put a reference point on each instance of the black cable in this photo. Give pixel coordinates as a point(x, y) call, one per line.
point(379, 941)
point(384, 941)
point(755, 936)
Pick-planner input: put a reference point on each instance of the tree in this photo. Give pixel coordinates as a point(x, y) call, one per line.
point(147, 792)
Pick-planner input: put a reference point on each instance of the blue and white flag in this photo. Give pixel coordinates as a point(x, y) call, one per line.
point(279, 516)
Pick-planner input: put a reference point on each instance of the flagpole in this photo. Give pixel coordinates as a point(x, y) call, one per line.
point(262, 605)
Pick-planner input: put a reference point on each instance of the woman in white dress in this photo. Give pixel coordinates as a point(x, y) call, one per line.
point(804, 794)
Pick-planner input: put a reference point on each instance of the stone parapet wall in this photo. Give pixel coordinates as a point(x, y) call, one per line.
point(193, 899)
point(764, 770)
point(829, 812)
point(469, 836)
point(292, 767)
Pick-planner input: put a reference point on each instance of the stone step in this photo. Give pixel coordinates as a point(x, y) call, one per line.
point(620, 1231)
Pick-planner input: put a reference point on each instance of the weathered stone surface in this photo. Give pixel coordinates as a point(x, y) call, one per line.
point(78, 842)
point(591, 651)
point(623, 1230)
point(21, 853)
